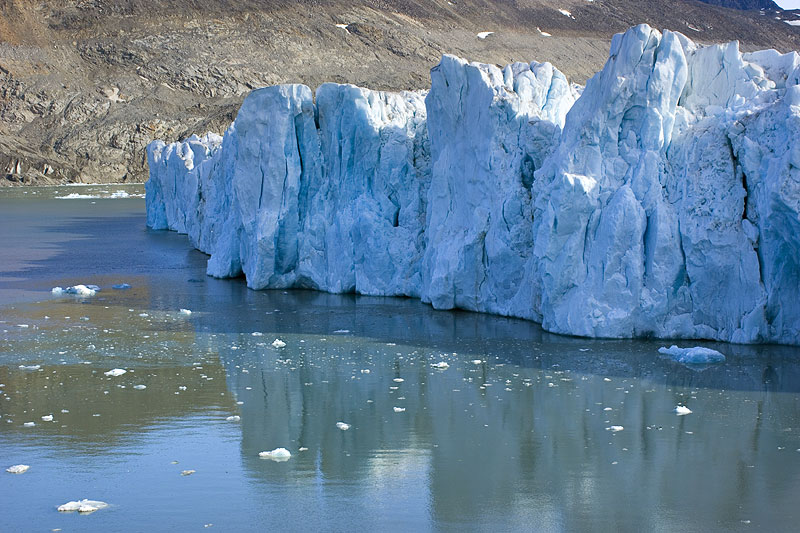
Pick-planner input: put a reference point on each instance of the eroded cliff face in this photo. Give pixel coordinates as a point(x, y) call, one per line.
point(663, 199)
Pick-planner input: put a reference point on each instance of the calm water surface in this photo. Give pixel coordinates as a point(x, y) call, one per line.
point(511, 436)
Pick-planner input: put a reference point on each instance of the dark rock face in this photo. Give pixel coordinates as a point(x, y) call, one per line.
point(744, 4)
point(86, 85)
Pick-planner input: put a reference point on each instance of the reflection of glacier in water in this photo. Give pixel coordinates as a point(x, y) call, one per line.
point(518, 436)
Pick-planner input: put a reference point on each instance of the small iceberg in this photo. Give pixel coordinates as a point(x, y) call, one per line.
point(140, 387)
point(47, 418)
point(614, 429)
point(682, 410)
point(82, 506)
point(277, 343)
point(30, 367)
point(278, 455)
point(17, 469)
point(186, 312)
point(83, 291)
point(233, 418)
point(121, 286)
point(342, 426)
point(441, 365)
point(114, 372)
point(399, 409)
point(696, 356)
point(187, 472)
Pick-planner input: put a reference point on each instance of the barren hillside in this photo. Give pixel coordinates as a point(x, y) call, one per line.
point(85, 85)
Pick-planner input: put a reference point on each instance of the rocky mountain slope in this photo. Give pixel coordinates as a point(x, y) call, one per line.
point(85, 85)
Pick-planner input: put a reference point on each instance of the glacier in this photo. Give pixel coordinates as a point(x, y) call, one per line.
point(660, 200)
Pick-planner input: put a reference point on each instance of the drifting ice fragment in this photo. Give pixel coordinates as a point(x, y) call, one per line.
point(186, 312)
point(342, 426)
point(278, 454)
point(187, 472)
point(140, 387)
point(696, 355)
point(399, 409)
point(441, 365)
point(47, 418)
point(82, 506)
point(681, 410)
point(30, 367)
point(614, 429)
point(29, 424)
point(121, 286)
point(114, 372)
point(277, 343)
point(233, 418)
point(17, 469)
point(78, 290)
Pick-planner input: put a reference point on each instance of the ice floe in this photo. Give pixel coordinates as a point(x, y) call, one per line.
point(695, 355)
point(278, 454)
point(82, 506)
point(76, 290)
point(115, 372)
point(17, 469)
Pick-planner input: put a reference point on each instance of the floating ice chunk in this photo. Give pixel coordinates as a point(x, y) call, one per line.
point(30, 367)
point(342, 426)
point(614, 429)
point(681, 410)
point(441, 365)
point(696, 355)
point(114, 372)
point(342, 331)
point(47, 418)
point(17, 469)
point(302, 449)
point(82, 506)
point(140, 387)
point(29, 424)
point(121, 286)
point(257, 334)
point(365, 371)
point(484, 34)
point(399, 409)
point(278, 454)
point(233, 418)
point(398, 380)
point(476, 361)
point(277, 343)
point(186, 312)
point(187, 472)
point(82, 291)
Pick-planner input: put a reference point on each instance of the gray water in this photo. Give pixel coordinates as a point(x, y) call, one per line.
point(511, 436)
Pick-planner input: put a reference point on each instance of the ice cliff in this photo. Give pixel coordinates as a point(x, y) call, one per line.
point(663, 199)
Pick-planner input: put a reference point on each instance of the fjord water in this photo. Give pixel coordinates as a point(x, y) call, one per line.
point(512, 435)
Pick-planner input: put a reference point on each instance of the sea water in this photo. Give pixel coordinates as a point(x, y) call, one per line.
point(518, 430)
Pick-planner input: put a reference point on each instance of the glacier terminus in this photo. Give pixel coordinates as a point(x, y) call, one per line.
point(660, 200)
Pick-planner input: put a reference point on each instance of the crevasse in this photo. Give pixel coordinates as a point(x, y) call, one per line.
point(661, 200)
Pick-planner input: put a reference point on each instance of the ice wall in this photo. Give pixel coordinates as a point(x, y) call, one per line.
point(663, 199)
